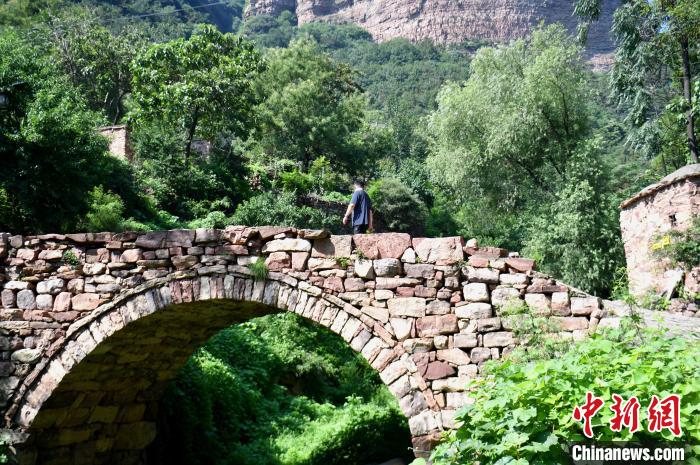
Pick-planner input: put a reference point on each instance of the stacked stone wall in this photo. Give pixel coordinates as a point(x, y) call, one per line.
point(424, 312)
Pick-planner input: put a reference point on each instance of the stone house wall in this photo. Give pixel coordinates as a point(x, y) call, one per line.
point(671, 204)
point(118, 137)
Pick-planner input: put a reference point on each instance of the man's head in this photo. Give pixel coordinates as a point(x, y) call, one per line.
point(358, 184)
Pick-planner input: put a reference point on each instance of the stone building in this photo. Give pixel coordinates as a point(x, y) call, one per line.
point(670, 204)
point(118, 137)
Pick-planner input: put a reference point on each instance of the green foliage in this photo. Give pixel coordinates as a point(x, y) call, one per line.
point(106, 211)
point(279, 208)
point(197, 87)
point(652, 38)
point(398, 206)
point(69, 258)
point(681, 247)
point(510, 131)
point(52, 157)
point(576, 237)
point(259, 269)
point(280, 390)
point(312, 107)
point(97, 61)
point(536, 331)
point(523, 412)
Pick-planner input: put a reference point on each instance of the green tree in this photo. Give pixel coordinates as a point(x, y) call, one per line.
point(397, 207)
point(312, 107)
point(199, 86)
point(510, 131)
point(51, 155)
point(97, 61)
point(655, 66)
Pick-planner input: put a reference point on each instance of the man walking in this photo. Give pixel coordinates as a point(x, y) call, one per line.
point(360, 209)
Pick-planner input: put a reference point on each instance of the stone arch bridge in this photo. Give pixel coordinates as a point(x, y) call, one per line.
point(93, 326)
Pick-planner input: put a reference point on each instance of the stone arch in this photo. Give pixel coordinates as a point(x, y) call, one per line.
point(425, 313)
point(94, 399)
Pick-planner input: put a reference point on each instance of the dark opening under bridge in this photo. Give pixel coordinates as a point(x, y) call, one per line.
point(95, 325)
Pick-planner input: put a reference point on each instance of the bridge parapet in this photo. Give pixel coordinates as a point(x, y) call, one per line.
point(425, 312)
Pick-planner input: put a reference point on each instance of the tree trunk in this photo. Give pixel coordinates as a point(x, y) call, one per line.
point(190, 136)
point(688, 96)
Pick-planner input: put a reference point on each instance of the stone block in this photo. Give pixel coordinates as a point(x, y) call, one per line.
point(499, 339)
point(379, 314)
point(453, 356)
point(26, 300)
point(474, 311)
point(464, 341)
point(334, 246)
point(85, 302)
point(502, 296)
point(387, 267)
point(433, 325)
point(384, 245)
point(476, 292)
point(7, 296)
point(287, 245)
point(522, 265)
point(581, 306)
point(407, 306)
point(440, 250)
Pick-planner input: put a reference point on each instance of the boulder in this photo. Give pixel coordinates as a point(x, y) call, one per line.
point(384, 245)
point(287, 245)
point(334, 246)
point(387, 267)
point(439, 250)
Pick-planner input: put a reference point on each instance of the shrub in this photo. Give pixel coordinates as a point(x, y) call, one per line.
point(398, 206)
point(523, 412)
point(259, 269)
point(69, 258)
point(682, 248)
point(106, 211)
point(279, 208)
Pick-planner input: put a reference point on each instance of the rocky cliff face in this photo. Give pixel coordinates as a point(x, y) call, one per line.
point(444, 21)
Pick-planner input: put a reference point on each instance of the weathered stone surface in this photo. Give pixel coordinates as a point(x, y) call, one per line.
point(26, 300)
point(85, 302)
point(438, 307)
point(453, 356)
point(483, 275)
point(438, 370)
point(502, 296)
point(540, 303)
point(183, 262)
point(393, 283)
point(44, 302)
point(464, 341)
point(62, 302)
point(407, 306)
point(334, 246)
point(402, 327)
point(420, 270)
point(476, 292)
point(560, 304)
point(498, 339)
point(132, 255)
point(433, 325)
point(571, 323)
point(385, 245)
point(50, 286)
point(287, 245)
point(380, 314)
point(522, 265)
point(474, 311)
point(7, 297)
point(584, 305)
point(26, 355)
point(277, 261)
point(440, 251)
point(387, 267)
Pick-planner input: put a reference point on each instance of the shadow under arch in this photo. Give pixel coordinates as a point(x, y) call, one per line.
point(96, 399)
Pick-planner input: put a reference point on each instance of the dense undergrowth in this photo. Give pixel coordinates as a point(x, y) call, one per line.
point(279, 390)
